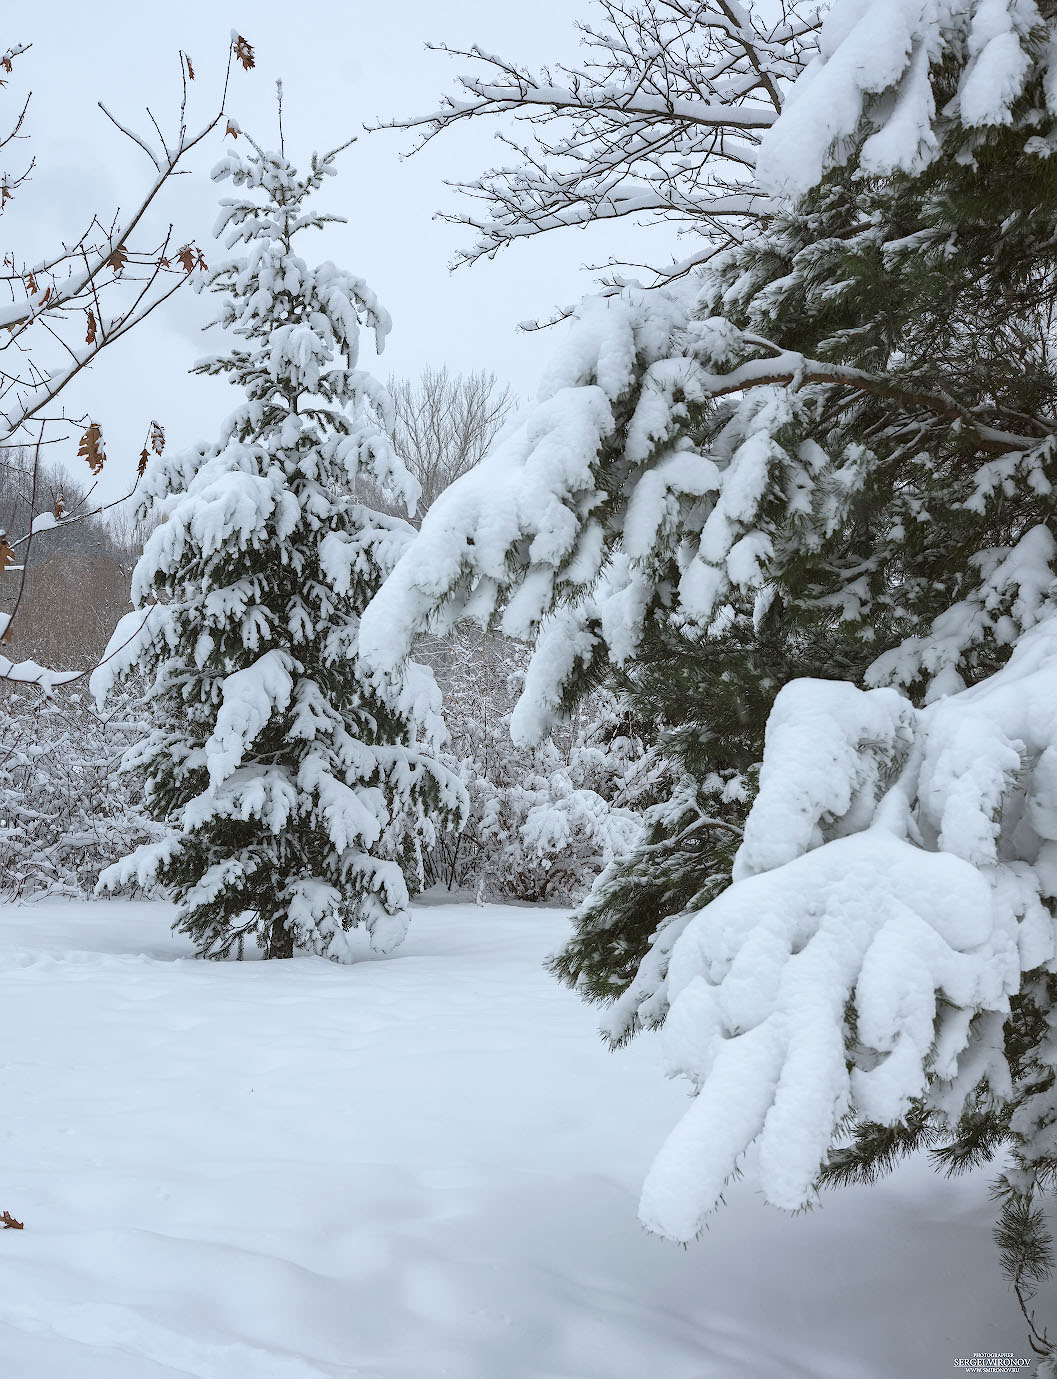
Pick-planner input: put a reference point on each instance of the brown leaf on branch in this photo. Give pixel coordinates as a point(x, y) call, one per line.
point(190, 69)
point(5, 194)
point(157, 438)
point(243, 52)
point(141, 468)
point(233, 130)
point(5, 62)
point(91, 448)
point(190, 257)
point(90, 334)
point(118, 259)
point(46, 298)
point(7, 555)
point(9, 1223)
point(60, 507)
point(31, 284)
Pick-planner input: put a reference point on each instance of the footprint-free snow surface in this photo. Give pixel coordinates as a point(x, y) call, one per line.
point(407, 1168)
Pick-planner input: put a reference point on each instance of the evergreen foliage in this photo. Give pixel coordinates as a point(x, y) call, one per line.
point(818, 504)
point(300, 791)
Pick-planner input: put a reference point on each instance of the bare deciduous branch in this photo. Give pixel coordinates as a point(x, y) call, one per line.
point(660, 122)
point(82, 298)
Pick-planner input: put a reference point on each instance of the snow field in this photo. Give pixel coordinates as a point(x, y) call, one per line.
point(404, 1169)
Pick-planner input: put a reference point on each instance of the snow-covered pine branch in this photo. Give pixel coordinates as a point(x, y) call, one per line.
point(635, 486)
point(885, 954)
point(818, 482)
point(894, 887)
point(300, 792)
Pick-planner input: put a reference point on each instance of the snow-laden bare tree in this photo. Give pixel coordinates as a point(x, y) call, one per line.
point(444, 423)
point(300, 790)
point(660, 120)
point(76, 575)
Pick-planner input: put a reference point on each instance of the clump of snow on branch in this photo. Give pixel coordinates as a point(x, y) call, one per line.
point(874, 62)
point(894, 883)
point(566, 528)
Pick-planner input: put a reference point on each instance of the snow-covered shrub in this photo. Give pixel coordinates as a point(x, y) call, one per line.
point(542, 820)
point(65, 810)
point(547, 834)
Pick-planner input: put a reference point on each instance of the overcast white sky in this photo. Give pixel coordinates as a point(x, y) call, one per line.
point(341, 64)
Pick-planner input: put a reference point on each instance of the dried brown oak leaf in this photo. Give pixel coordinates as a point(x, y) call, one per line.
point(190, 69)
point(233, 130)
point(90, 333)
point(7, 555)
point(243, 51)
point(9, 1223)
point(141, 468)
point(91, 448)
point(118, 259)
point(157, 438)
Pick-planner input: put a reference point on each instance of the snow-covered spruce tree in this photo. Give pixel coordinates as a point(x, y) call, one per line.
point(836, 460)
point(300, 792)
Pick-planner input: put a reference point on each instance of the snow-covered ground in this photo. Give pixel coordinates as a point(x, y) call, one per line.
point(409, 1168)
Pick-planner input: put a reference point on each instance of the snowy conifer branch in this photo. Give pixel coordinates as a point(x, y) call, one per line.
point(810, 487)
